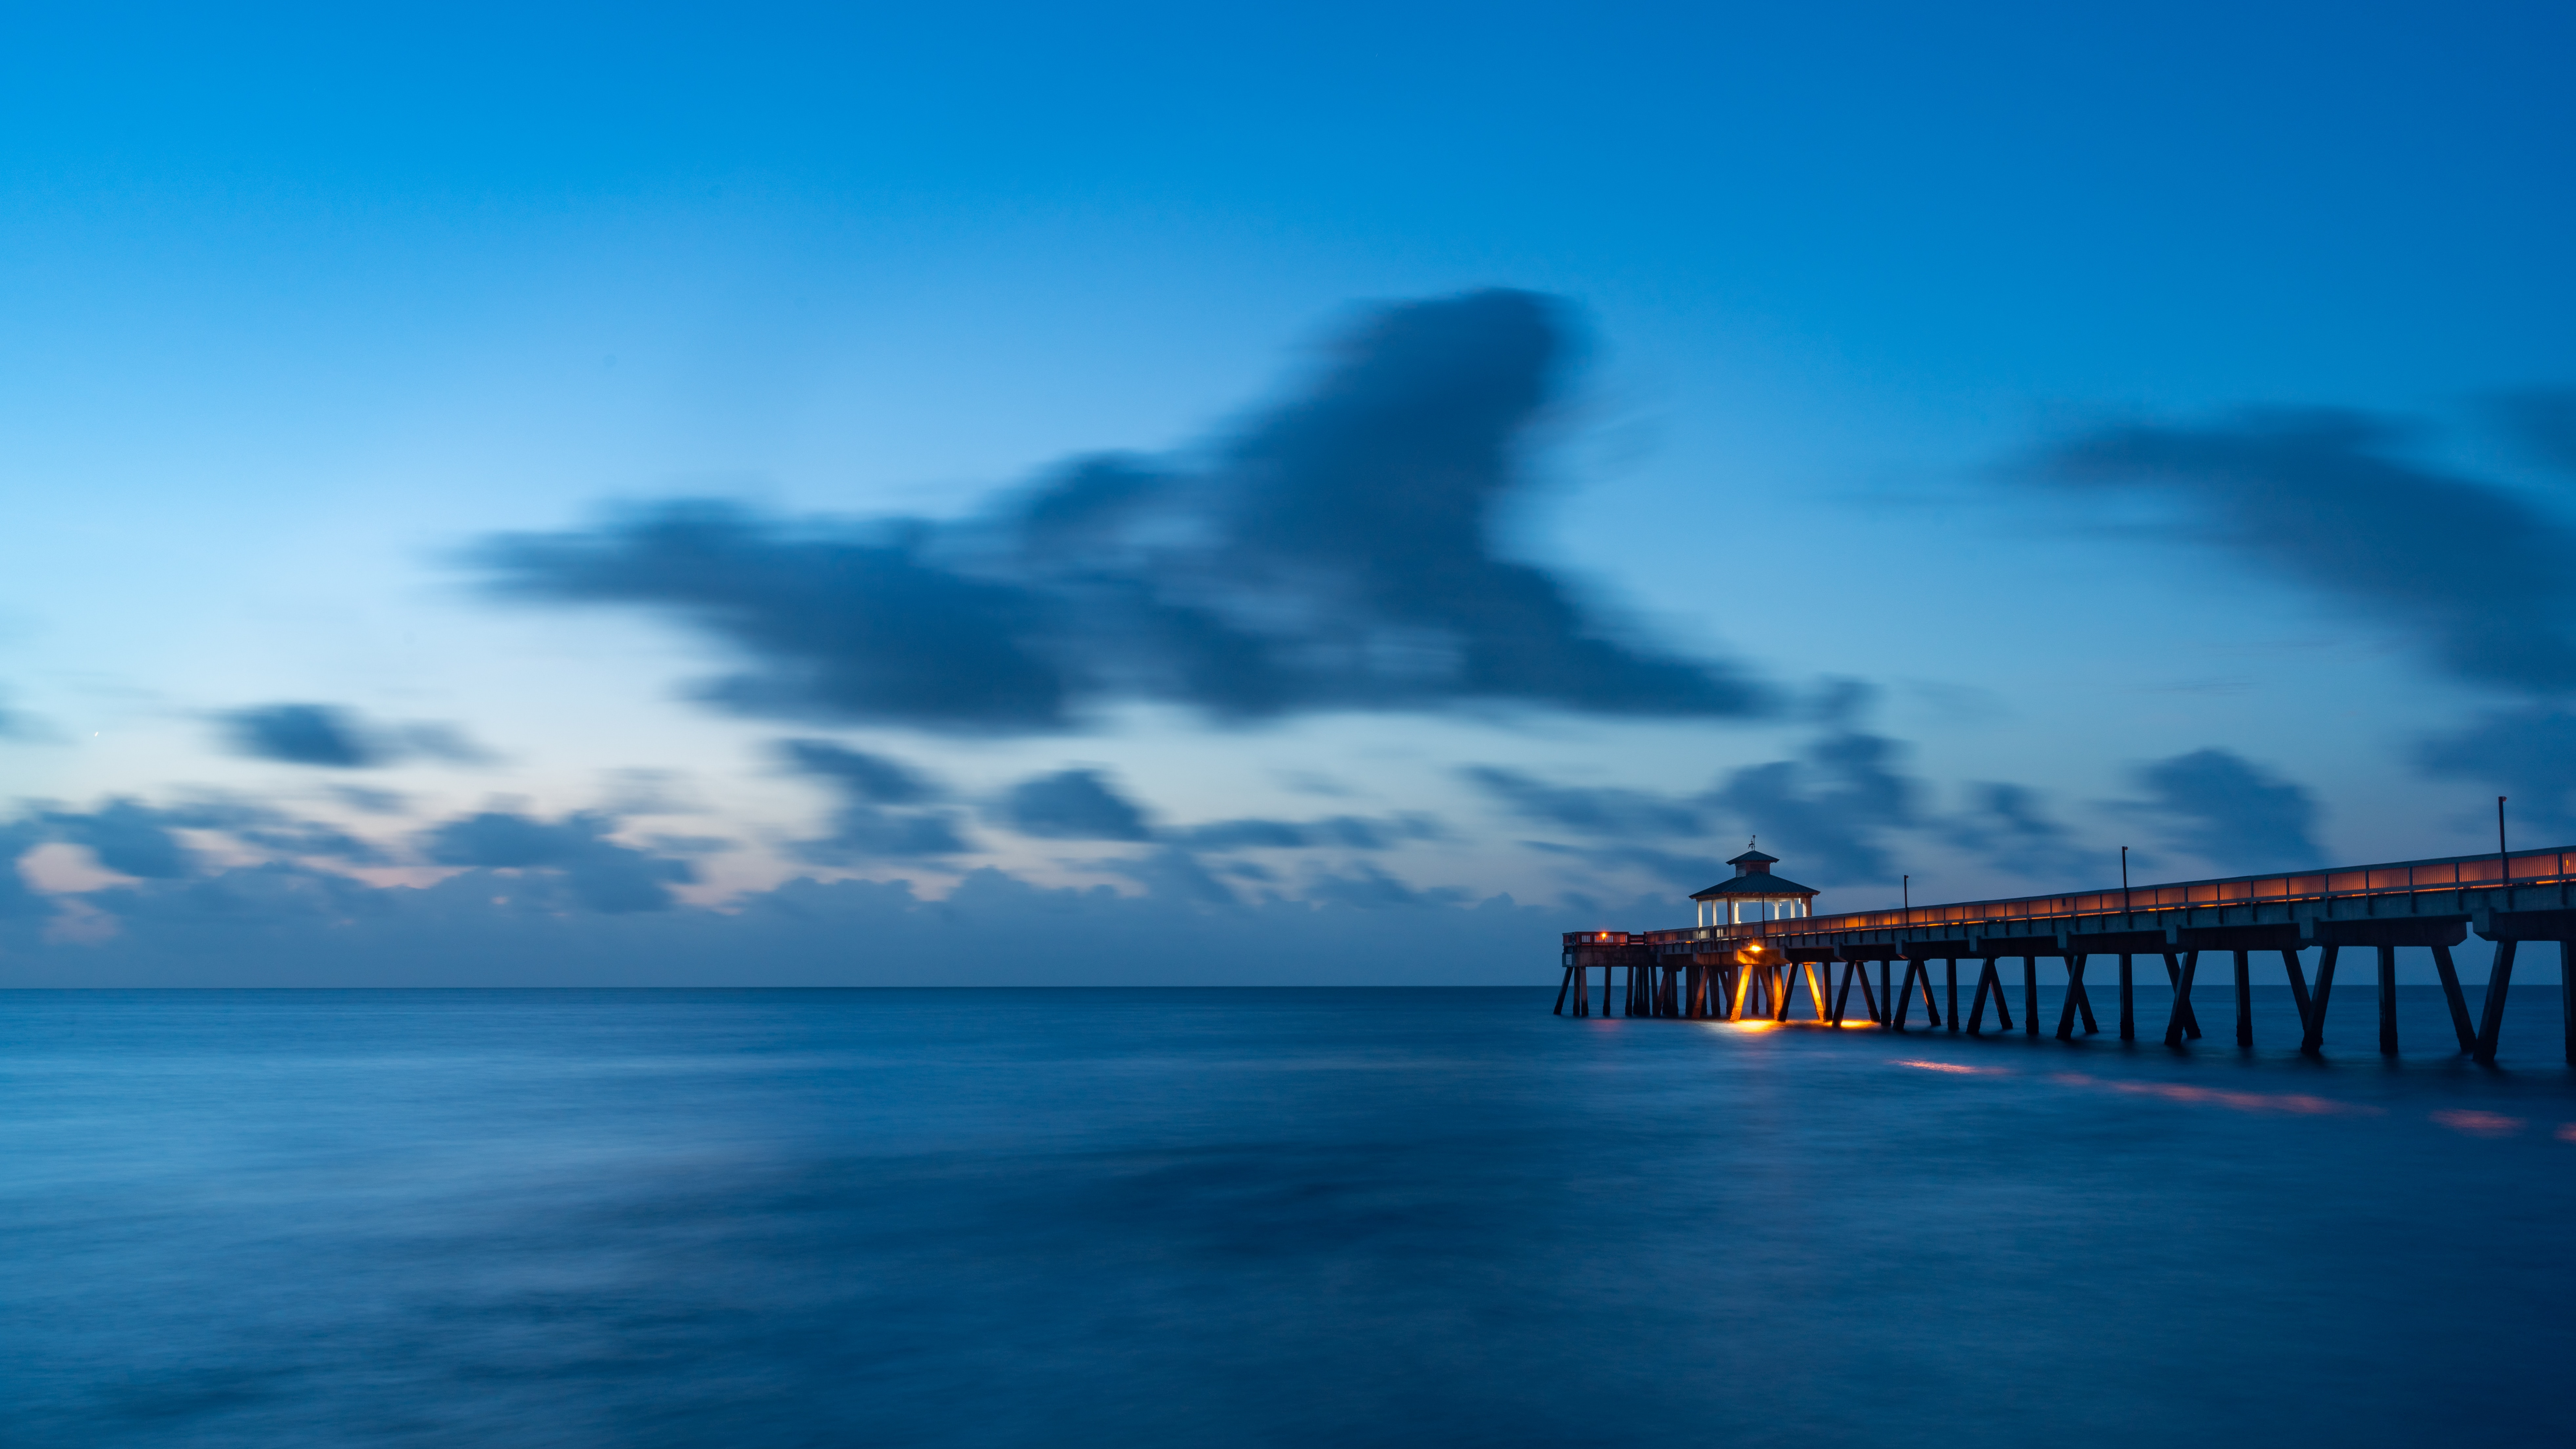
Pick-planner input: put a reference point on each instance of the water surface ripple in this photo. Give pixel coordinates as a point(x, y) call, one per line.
point(1258, 1217)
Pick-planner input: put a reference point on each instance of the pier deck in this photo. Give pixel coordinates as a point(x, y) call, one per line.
point(1757, 968)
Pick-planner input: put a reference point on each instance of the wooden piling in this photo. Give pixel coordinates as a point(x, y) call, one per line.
point(2176, 1026)
point(2491, 1020)
point(1977, 1010)
point(1563, 988)
point(2388, 1001)
point(2315, 1038)
point(2029, 995)
point(1886, 1016)
point(2128, 1002)
point(2451, 997)
point(2567, 996)
point(2078, 1001)
point(1953, 973)
point(2182, 998)
point(2244, 1001)
point(2298, 990)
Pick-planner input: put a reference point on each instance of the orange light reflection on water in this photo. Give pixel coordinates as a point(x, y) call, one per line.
point(2479, 1124)
point(2298, 1103)
point(1952, 1067)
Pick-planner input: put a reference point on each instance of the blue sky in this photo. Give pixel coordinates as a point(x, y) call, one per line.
point(1983, 437)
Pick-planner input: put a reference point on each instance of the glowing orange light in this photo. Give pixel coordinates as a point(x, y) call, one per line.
point(2480, 1124)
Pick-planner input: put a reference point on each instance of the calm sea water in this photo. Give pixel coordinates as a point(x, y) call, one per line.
point(1258, 1217)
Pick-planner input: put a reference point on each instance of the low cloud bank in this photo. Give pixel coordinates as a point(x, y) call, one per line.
point(284, 925)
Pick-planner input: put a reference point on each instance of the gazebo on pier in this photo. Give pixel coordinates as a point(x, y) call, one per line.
point(1754, 894)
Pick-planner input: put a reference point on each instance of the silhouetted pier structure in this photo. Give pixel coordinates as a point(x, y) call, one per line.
point(1758, 944)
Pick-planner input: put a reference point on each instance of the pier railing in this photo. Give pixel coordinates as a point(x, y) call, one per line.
point(2539, 867)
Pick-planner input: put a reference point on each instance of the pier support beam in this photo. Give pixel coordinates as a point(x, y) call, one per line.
point(2076, 1001)
point(2452, 998)
point(2388, 1001)
point(1954, 994)
point(2244, 1001)
point(2313, 1039)
point(2491, 1020)
point(1566, 986)
point(2298, 988)
point(2128, 1001)
point(2180, 1025)
point(2182, 1000)
point(2029, 997)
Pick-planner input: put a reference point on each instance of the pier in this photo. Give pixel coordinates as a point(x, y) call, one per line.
point(1758, 949)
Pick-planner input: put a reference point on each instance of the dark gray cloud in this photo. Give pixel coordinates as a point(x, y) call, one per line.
point(334, 737)
point(1077, 804)
point(369, 801)
point(1337, 553)
point(128, 837)
point(2005, 824)
point(2219, 806)
point(2527, 753)
point(872, 779)
point(597, 873)
point(864, 827)
point(1830, 809)
point(1597, 810)
point(862, 833)
point(2543, 421)
point(1683, 871)
point(1347, 832)
point(2477, 574)
point(1362, 886)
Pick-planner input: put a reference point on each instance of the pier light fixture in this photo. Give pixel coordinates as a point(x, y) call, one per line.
point(1754, 894)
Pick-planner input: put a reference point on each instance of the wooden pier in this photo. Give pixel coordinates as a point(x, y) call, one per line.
point(1756, 969)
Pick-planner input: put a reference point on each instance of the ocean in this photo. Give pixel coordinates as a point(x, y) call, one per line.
point(1261, 1217)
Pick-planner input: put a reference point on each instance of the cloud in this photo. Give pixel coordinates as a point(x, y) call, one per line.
point(128, 837)
point(19, 727)
point(1337, 553)
point(2527, 753)
point(332, 737)
point(873, 779)
point(2219, 806)
point(863, 827)
point(2478, 575)
point(1074, 804)
point(1590, 809)
point(284, 924)
point(2004, 823)
point(18, 900)
point(1829, 809)
point(2543, 421)
point(1348, 832)
point(598, 873)
point(369, 801)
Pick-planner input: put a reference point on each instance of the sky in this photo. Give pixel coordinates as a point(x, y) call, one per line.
point(1005, 495)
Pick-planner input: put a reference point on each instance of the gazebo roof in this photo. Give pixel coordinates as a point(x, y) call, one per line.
point(1758, 887)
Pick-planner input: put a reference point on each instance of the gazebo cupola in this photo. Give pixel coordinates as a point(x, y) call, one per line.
point(1755, 894)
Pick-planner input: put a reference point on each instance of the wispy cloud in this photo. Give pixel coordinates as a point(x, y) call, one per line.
point(333, 737)
point(2474, 573)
